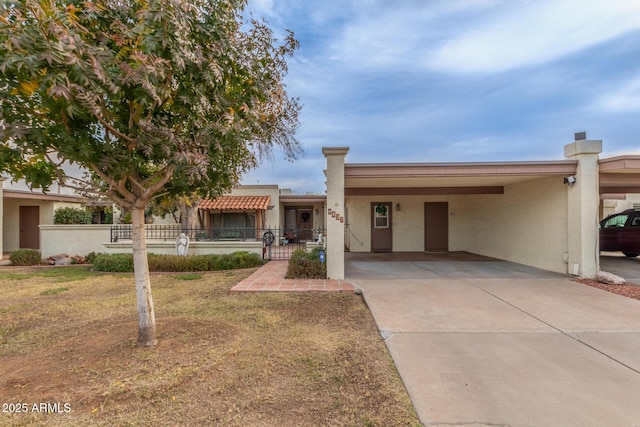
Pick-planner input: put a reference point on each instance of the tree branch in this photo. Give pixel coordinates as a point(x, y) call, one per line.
point(120, 186)
point(115, 131)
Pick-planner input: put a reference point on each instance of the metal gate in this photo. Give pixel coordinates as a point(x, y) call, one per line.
point(278, 245)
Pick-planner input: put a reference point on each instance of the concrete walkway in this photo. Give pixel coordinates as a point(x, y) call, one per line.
point(270, 278)
point(483, 342)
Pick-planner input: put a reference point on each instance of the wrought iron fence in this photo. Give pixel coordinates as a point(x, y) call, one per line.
point(269, 236)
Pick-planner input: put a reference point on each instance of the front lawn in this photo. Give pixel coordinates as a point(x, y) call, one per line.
point(67, 339)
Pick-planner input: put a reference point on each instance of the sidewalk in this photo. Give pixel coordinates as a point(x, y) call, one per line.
point(270, 278)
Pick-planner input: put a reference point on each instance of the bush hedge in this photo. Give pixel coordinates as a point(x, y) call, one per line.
point(25, 257)
point(306, 265)
point(71, 216)
point(175, 263)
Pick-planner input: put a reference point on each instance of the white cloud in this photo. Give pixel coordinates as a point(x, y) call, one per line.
point(534, 32)
point(624, 99)
point(262, 7)
point(476, 36)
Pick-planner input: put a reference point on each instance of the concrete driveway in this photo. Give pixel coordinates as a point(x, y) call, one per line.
point(479, 341)
point(620, 265)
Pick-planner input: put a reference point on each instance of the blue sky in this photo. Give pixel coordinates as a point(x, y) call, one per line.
point(455, 80)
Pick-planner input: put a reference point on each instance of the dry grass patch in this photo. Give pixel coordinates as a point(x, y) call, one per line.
point(222, 359)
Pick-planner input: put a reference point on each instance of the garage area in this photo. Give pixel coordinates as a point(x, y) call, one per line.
point(542, 214)
point(393, 267)
point(513, 211)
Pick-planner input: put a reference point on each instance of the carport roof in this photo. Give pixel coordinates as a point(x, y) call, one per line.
point(447, 178)
point(620, 174)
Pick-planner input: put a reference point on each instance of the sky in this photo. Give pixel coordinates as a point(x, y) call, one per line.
point(455, 80)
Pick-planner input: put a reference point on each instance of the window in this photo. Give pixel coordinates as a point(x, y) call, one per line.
point(234, 225)
point(381, 216)
point(616, 221)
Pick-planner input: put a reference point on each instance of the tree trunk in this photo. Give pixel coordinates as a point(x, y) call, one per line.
point(189, 212)
point(146, 315)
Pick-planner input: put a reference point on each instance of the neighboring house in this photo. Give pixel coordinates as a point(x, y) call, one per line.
point(250, 210)
point(24, 211)
point(614, 203)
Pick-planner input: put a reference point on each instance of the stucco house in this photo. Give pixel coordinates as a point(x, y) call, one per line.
point(22, 212)
point(265, 207)
point(538, 213)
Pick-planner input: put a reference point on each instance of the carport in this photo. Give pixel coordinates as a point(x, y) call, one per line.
point(537, 213)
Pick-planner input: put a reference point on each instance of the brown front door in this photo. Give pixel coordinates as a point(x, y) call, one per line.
point(29, 232)
point(436, 226)
point(381, 230)
point(305, 223)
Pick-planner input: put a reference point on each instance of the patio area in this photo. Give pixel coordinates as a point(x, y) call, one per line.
point(270, 278)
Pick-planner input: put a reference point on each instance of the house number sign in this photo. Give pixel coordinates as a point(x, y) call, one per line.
point(335, 215)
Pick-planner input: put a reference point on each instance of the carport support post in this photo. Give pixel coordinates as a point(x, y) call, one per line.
point(583, 204)
point(335, 219)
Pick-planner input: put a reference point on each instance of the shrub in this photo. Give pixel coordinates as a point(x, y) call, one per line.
point(25, 257)
point(90, 257)
point(71, 216)
point(177, 263)
point(115, 263)
point(306, 265)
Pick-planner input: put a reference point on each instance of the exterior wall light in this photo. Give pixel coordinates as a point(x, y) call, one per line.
point(398, 207)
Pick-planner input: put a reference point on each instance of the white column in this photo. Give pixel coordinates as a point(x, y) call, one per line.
point(583, 205)
point(335, 220)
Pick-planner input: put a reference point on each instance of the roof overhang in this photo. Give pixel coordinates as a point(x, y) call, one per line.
point(447, 178)
point(236, 203)
point(30, 195)
point(302, 199)
point(620, 175)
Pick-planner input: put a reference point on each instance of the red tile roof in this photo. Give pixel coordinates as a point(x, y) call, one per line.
point(236, 203)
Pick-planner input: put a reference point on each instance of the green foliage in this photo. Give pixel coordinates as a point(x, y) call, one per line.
point(70, 215)
point(90, 257)
point(25, 257)
point(306, 265)
point(148, 96)
point(115, 263)
point(176, 263)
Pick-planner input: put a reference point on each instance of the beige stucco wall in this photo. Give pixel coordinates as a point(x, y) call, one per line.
point(336, 218)
point(195, 248)
point(583, 199)
point(408, 222)
point(527, 224)
point(11, 210)
point(609, 207)
point(73, 239)
point(82, 239)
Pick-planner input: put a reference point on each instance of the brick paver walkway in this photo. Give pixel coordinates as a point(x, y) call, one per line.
point(270, 278)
